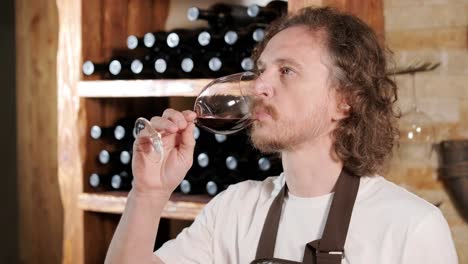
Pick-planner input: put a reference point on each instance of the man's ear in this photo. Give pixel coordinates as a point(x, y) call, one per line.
point(342, 108)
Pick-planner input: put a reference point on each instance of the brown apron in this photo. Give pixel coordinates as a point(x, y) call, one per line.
point(330, 248)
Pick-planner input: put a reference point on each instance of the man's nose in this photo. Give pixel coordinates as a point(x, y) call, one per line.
point(262, 86)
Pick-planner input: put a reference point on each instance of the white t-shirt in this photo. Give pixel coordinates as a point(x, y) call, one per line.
point(388, 225)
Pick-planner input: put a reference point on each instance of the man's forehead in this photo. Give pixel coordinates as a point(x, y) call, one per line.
point(294, 45)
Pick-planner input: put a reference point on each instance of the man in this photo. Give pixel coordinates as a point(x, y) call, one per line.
point(326, 104)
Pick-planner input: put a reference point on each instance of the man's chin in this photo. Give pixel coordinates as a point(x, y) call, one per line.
point(261, 140)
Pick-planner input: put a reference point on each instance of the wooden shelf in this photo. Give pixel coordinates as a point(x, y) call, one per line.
point(141, 88)
point(181, 207)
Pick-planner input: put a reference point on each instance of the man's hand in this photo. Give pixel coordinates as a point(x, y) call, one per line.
point(155, 176)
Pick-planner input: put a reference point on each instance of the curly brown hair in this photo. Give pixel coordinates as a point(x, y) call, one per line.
point(364, 140)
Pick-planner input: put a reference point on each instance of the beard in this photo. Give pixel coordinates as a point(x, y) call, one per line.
point(287, 133)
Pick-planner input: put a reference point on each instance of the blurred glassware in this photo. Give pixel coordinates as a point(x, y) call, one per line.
point(416, 131)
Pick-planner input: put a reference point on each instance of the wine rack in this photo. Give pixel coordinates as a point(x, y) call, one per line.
point(98, 31)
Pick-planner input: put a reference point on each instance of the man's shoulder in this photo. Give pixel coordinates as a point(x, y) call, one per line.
point(394, 201)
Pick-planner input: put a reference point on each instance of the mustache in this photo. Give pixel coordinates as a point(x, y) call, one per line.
point(259, 104)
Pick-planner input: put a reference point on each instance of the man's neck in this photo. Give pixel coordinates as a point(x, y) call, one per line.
point(310, 169)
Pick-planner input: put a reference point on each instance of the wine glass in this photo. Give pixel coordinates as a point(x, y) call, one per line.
point(224, 106)
point(416, 131)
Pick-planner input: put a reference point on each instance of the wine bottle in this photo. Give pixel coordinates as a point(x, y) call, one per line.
point(168, 68)
point(89, 68)
point(99, 181)
point(194, 183)
point(220, 180)
point(125, 157)
point(194, 65)
point(98, 132)
point(134, 42)
point(150, 39)
point(266, 165)
point(123, 130)
point(122, 181)
point(221, 15)
point(221, 65)
point(211, 39)
point(187, 37)
point(119, 68)
point(147, 41)
point(117, 158)
point(247, 38)
point(202, 160)
point(238, 162)
point(146, 68)
point(268, 13)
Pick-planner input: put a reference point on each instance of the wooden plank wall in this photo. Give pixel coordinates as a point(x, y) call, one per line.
point(370, 11)
point(40, 208)
point(92, 30)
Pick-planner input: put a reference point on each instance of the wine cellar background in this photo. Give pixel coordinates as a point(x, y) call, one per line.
point(77, 223)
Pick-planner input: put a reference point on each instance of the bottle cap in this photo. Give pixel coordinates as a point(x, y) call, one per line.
point(253, 10)
point(160, 65)
point(193, 13)
point(115, 67)
point(196, 133)
point(185, 187)
point(104, 156)
point(173, 40)
point(149, 39)
point(204, 38)
point(132, 42)
point(231, 163)
point(258, 35)
point(116, 181)
point(247, 64)
point(187, 65)
point(94, 180)
point(203, 160)
point(220, 138)
point(136, 66)
point(230, 37)
point(95, 132)
point(125, 157)
point(211, 188)
point(88, 68)
point(119, 132)
point(215, 64)
point(264, 164)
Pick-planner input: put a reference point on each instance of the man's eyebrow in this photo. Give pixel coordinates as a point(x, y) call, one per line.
point(292, 62)
point(288, 61)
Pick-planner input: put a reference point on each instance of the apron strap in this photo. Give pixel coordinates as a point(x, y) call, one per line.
point(266, 246)
point(330, 248)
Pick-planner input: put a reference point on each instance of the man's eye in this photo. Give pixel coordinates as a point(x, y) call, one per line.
point(285, 71)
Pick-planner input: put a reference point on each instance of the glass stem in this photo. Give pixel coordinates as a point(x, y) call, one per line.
point(414, 100)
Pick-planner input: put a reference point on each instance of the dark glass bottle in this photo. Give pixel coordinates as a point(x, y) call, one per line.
point(194, 183)
point(100, 181)
point(221, 15)
point(148, 41)
point(265, 165)
point(99, 132)
point(91, 68)
point(122, 181)
point(186, 37)
point(220, 180)
point(266, 14)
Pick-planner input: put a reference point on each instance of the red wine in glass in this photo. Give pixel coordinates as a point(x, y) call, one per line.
point(224, 106)
point(223, 125)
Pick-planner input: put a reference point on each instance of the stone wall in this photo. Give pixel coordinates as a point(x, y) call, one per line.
point(433, 30)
